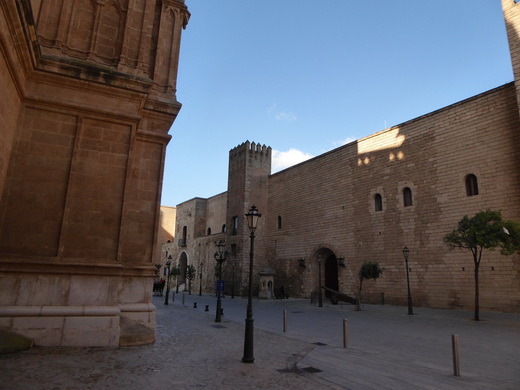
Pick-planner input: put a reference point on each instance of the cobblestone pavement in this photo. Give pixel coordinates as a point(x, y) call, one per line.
point(191, 352)
point(387, 349)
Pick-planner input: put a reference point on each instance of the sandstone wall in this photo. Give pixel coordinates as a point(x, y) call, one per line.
point(328, 202)
point(91, 99)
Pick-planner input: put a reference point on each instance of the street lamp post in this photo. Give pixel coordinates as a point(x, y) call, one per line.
point(168, 264)
point(177, 272)
point(233, 277)
point(320, 298)
point(252, 219)
point(220, 256)
point(200, 280)
point(406, 252)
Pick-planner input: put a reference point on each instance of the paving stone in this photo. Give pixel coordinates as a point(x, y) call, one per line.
point(387, 349)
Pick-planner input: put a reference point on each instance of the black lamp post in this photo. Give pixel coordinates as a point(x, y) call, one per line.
point(200, 280)
point(168, 264)
point(252, 219)
point(220, 256)
point(233, 277)
point(406, 252)
point(320, 298)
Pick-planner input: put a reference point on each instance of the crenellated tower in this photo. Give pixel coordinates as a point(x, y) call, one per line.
point(249, 168)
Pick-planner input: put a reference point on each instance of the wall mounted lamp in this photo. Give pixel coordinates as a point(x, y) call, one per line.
point(301, 262)
point(341, 261)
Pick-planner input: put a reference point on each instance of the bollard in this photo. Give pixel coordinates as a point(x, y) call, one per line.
point(345, 333)
point(285, 321)
point(207, 308)
point(183, 296)
point(455, 349)
point(194, 305)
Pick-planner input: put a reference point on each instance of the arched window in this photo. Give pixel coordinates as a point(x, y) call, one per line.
point(235, 226)
point(209, 231)
point(184, 236)
point(471, 185)
point(279, 222)
point(224, 228)
point(407, 197)
point(378, 202)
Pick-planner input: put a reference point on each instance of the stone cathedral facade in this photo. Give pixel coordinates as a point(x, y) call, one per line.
point(408, 185)
point(88, 97)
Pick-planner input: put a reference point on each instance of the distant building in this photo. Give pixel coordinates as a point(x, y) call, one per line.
point(165, 236)
point(88, 96)
point(405, 186)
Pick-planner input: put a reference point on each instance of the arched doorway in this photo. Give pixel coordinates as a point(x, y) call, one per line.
point(183, 263)
point(331, 274)
point(328, 270)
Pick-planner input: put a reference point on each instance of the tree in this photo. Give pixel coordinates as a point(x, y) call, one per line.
point(485, 230)
point(190, 274)
point(369, 270)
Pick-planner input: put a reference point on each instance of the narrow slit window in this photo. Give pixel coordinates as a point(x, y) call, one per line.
point(471, 185)
point(378, 202)
point(407, 197)
point(279, 222)
point(235, 226)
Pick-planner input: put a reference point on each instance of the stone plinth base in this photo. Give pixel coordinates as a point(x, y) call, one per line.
point(64, 325)
point(86, 326)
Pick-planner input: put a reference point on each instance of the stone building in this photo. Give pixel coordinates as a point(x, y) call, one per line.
point(200, 223)
point(88, 96)
point(405, 186)
point(166, 235)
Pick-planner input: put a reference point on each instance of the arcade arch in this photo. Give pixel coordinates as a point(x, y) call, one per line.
point(182, 263)
point(327, 264)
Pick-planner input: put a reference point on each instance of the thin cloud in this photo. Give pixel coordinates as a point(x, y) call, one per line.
point(271, 109)
point(281, 115)
point(285, 116)
point(281, 160)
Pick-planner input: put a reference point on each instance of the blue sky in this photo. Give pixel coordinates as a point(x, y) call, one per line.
point(306, 76)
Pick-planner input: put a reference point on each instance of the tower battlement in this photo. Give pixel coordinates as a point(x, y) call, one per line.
point(251, 147)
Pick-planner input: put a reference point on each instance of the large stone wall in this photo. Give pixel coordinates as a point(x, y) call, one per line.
point(9, 108)
point(90, 97)
point(328, 203)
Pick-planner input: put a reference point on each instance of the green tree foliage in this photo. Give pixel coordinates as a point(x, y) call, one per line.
point(485, 230)
point(369, 270)
point(190, 274)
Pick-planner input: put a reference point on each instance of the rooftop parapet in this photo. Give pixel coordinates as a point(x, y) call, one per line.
point(252, 147)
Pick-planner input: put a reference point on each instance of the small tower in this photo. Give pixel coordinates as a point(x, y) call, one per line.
point(249, 168)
